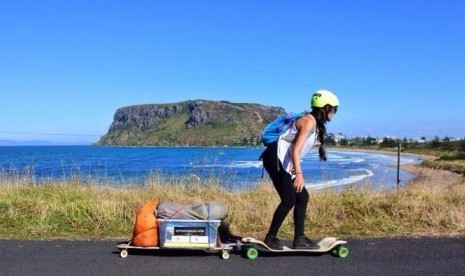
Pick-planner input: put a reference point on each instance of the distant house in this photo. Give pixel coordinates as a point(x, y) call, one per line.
point(421, 140)
point(452, 139)
point(339, 137)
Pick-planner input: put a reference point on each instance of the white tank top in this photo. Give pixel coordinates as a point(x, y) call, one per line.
point(286, 142)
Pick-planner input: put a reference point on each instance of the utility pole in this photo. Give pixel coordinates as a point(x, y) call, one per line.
point(398, 164)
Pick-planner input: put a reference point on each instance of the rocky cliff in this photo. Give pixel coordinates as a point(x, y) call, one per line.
point(189, 123)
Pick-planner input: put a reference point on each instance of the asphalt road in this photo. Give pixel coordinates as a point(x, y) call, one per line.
point(399, 256)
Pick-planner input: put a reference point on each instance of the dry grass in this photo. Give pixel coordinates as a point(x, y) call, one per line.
point(73, 209)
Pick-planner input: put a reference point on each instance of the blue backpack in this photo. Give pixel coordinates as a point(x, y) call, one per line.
point(274, 129)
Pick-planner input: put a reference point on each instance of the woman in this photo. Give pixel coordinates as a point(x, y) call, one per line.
point(281, 160)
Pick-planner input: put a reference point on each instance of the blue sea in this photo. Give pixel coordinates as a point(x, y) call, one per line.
point(235, 168)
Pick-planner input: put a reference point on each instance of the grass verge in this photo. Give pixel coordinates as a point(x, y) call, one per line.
point(453, 161)
point(72, 209)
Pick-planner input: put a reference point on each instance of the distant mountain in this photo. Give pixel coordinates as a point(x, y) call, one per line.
point(189, 123)
point(8, 143)
point(25, 143)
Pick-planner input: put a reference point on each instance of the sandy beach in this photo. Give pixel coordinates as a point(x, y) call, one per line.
point(425, 176)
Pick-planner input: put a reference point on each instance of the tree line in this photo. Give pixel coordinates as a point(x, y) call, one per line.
point(437, 143)
point(339, 140)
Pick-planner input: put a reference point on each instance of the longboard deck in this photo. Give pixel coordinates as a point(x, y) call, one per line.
point(127, 245)
point(325, 244)
point(124, 247)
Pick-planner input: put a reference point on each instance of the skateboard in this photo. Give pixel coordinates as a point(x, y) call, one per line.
point(333, 245)
point(126, 246)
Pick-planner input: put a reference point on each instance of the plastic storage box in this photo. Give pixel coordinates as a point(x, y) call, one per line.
point(176, 233)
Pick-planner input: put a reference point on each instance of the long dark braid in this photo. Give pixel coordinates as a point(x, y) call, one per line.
point(320, 115)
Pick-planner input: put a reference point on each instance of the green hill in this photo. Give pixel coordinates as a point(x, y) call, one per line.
point(189, 123)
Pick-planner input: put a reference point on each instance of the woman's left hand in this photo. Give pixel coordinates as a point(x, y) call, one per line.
point(299, 183)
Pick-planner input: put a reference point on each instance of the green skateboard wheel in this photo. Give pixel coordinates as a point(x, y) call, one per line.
point(343, 252)
point(251, 253)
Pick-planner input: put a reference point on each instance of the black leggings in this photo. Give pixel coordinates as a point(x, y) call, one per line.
point(284, 185)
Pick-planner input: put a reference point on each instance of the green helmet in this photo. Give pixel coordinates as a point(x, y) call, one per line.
point(323, 97)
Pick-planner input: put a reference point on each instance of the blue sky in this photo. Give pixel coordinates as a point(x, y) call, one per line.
point(398, 67)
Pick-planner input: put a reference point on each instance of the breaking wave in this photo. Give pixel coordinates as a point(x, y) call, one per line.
point(340, 182)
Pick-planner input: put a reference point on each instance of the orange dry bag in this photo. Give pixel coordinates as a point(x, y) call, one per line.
point(145, 227)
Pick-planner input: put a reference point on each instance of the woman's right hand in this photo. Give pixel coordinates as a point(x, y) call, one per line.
point(299, 182)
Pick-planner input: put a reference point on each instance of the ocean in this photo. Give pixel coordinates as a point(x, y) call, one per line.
point(233, 167)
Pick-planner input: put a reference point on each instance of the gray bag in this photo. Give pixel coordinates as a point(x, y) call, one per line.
point(210, 210)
